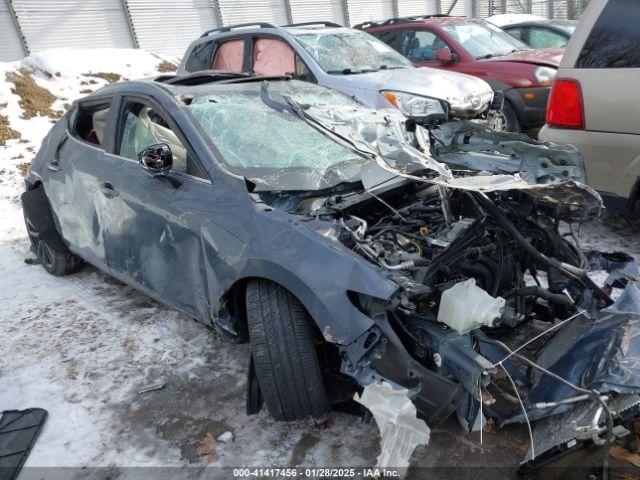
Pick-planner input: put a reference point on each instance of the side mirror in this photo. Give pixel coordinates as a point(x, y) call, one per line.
point(444, 55)
point(156, 159)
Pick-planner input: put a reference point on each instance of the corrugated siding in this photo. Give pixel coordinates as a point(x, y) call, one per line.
point(73, 23)
point(168, 26)
point(309, 11)
point(10, 46)
point(458, 9)
point(408, 8)
point(366, 10)
point(244, 11)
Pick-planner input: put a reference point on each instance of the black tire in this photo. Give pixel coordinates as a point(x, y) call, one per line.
point(284, 353)
point(511, 118)
point(54, 261)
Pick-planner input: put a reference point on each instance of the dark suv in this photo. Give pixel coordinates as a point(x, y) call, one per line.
point(478, 48)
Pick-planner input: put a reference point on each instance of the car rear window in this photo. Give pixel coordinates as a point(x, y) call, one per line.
point(200, 58)
point(614, 39)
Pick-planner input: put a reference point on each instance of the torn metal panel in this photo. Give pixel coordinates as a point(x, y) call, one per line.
point(606, 357)
point(474, 146)
point(400, 430)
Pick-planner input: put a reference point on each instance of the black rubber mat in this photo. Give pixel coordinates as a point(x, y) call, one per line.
point(19, 430)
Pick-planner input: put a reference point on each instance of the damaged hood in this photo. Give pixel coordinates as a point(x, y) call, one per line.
point(463, 92)
point(549, 57)
point(552, 174)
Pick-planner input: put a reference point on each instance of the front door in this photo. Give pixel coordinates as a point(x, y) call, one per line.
point(152, 225)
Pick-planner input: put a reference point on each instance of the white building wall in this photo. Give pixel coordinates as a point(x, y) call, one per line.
point(10, 44)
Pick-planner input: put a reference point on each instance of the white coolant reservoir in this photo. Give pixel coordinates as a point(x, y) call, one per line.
point(465, 307)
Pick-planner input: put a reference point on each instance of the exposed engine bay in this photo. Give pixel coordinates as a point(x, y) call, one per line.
point(479, 230)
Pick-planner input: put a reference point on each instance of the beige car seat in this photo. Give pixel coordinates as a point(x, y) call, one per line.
point(99, 121)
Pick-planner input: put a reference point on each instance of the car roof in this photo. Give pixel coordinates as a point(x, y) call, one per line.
point(293, 28)
point(417, 20)
point(544, 23)
point(312, 30)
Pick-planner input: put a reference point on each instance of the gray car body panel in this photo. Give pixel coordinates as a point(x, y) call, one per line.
point(430, 82)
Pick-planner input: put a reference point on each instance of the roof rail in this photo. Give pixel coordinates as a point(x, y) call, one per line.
point(391, 21)
point(323, 24)
point(228, 28)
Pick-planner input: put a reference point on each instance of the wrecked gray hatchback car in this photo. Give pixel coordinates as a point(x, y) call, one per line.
point(360, 253)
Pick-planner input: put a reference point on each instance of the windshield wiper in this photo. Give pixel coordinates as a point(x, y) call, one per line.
point(352, 71)
point(344, 71)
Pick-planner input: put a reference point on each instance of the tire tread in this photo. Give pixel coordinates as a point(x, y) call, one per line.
point(284, 353)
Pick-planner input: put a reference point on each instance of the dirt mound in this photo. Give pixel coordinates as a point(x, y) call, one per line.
point(6, 132)
point(34, 99)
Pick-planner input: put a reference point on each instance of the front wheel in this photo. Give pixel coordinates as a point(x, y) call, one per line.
point(512, 123)
point(284, 353)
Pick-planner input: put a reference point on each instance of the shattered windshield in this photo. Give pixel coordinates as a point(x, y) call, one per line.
point(484, 40)
point(275, 147)
point(350, 52)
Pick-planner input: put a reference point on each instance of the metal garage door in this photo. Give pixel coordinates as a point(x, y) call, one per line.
point(453, 7)
point(73, 23)
point(167, 27)
point(366, 10)
point(327, 10)
point(407, 8)
point(10, 45)
point(244, 11)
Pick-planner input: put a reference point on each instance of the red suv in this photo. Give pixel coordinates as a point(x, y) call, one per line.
point(476, 47)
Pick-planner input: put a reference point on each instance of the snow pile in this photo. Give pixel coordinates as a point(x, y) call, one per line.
point(61, 75)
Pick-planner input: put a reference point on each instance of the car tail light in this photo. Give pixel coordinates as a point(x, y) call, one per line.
point(565, 108)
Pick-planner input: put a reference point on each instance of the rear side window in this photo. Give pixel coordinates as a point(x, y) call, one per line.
point(421, 45)
point(516, 32)
point(91, 123)
point(230, 56)
point(614, 39)
point(200, 58)
point(545, 38)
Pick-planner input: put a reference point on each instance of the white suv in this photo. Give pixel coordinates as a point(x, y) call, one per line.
point(344, 59)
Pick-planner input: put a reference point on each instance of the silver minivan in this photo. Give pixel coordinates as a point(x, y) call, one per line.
point(594, 102)
point(348, 60)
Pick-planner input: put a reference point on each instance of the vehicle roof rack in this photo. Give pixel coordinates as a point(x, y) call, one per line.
point(391, 21)
point(320, 24)
point(228, 28)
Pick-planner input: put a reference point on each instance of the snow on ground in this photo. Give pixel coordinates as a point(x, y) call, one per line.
point(83, 346)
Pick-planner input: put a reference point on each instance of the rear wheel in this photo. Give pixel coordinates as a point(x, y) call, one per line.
point(54, 261)
point(284, 353)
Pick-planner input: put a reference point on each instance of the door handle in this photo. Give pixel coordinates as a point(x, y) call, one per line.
point(108, 190)
point(54, 167)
